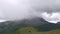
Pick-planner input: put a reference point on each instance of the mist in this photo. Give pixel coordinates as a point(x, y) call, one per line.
point(23, 9)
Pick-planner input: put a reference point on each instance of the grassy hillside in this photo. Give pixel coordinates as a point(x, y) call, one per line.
point(23, 28)
point(30, 30)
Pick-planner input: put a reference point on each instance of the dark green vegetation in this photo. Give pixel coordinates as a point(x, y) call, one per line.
point(29, 26)
point(47, 27)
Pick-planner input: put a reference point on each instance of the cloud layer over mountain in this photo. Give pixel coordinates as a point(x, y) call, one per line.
point(20, 9)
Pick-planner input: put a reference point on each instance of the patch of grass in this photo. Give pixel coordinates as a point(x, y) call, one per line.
point(31, 30)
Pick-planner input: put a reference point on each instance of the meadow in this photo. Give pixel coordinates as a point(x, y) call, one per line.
point(31, 30)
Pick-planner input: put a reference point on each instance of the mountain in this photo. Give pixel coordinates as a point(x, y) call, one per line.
point(58, 22)
point(47, 27)
point(37, 23)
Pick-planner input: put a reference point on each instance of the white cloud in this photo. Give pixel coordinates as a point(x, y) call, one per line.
point(53, 22)
point(2, 21)
point(44, 14)
point(54, 17)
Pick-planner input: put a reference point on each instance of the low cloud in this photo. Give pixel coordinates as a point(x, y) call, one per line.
point(20, 9)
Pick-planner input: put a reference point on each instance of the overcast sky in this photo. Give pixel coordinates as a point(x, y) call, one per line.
point(20, 9)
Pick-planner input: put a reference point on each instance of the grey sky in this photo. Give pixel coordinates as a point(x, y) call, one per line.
point(19, 9)
point(14, 9)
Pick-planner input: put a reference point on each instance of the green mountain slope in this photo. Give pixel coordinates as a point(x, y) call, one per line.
point(29, 26)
